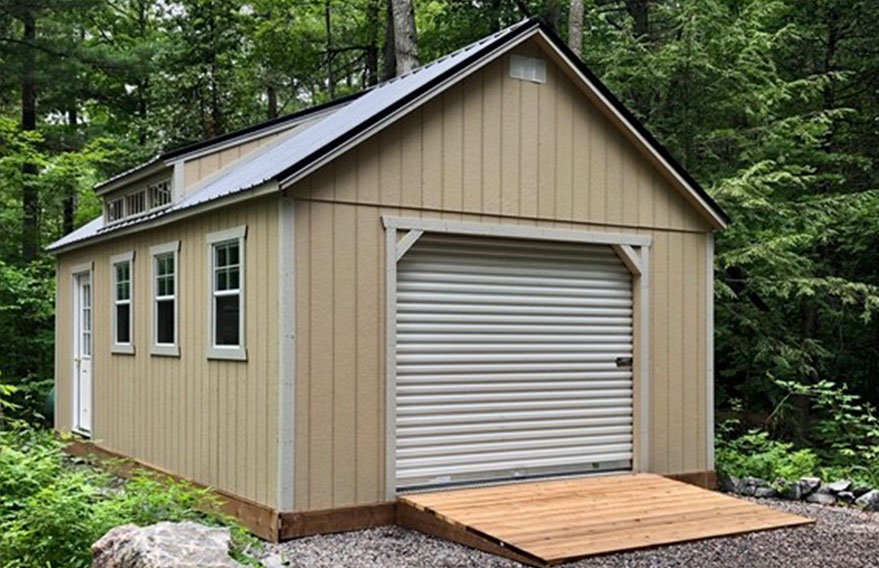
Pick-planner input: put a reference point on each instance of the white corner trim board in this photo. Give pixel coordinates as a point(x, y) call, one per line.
point(287, 353)
point(709, 350)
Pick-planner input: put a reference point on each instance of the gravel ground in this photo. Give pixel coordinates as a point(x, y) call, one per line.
point(842, 537)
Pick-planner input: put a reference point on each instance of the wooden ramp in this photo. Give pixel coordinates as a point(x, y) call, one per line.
point(550, 522)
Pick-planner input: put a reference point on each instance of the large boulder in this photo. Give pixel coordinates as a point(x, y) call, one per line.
point(164, 545)
point(869, 501)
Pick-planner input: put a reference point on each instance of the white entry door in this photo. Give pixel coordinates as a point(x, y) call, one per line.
point(514, 359)
point(82, 352)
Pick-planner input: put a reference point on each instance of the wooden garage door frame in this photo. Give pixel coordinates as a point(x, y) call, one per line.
point(403, 232)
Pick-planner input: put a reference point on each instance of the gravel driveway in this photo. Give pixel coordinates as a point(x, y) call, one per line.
point(844, 538)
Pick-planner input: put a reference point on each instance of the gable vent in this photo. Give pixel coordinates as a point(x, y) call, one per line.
point(528, 69)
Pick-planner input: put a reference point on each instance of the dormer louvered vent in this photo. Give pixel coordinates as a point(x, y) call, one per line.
point(140, 201)
point(528, 69)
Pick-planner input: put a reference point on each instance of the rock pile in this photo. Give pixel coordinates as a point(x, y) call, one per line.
point(809, 489)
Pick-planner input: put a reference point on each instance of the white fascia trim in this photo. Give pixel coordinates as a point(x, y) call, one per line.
point(706, 209)
point(403, 111)
point(709, 349)
point(165, 349)
point(286, 495)
point(515, 231)
point(228, 352)
point(122, 348)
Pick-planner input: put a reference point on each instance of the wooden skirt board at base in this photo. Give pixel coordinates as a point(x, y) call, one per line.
point(550, 522)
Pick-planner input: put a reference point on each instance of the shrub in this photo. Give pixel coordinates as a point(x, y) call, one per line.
point(53, 508)
point(756, 454)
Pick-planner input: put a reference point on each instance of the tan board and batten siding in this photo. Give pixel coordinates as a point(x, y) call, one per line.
point(203, 166)
point(210, 421)
point(496, 150)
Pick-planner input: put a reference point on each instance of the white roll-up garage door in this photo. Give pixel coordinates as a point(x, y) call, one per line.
point(513, 360)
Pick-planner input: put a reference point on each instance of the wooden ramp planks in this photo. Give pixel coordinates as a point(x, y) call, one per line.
point(550, 522)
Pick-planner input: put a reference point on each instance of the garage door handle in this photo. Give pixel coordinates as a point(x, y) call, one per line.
point(624, 362)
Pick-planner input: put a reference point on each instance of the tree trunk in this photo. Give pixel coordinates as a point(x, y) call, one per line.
point(638, 10)
point(69, 203)
point(405, 36)
point(30, 230)
point(552, 14)
point(142, 84)
point(389, 63)
point(331, 80)
point(575, 27)
point(272, 95)
point(373, 20)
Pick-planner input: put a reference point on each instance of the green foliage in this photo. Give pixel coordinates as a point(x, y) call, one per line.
point(755, 454)
point(52, 508)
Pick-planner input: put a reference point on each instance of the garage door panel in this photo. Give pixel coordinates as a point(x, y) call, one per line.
point(508, 360)
point(419, 427)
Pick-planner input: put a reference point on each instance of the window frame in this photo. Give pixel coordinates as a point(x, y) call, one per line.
point(227, 352)
point(129, 197)
point(156, 348)
point(115, 346)
point(110, 205)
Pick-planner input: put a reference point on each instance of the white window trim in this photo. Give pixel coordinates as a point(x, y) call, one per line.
point(165, 349)
point(227, 352)
point(122, 348)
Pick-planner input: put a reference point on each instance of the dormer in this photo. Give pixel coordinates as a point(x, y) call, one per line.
point(141, 199)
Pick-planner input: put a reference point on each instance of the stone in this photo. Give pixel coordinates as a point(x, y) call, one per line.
point(792, 491)
point(765, 492)
point(809, 484)
point(859, 490)
point(273, 561)
point(839, 486)
point(822, 497)
point(846, 497)
point(869, 501)
point(731, 484)
point(164, 545)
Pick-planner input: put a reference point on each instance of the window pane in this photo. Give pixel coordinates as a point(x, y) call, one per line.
point(227, 320)
point(233, 253)
point(233, 278)
point(221, 255)
point(165, 321)
point(123, 321)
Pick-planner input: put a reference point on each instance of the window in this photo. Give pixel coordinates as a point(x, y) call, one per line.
point(165, 309)
point(226, 249)
point(154, 196)
point(135, 203)
point(114, 210)
point(123, 300)
point(160, 193)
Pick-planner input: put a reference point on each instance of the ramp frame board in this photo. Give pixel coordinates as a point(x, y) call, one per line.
point(551, 522)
